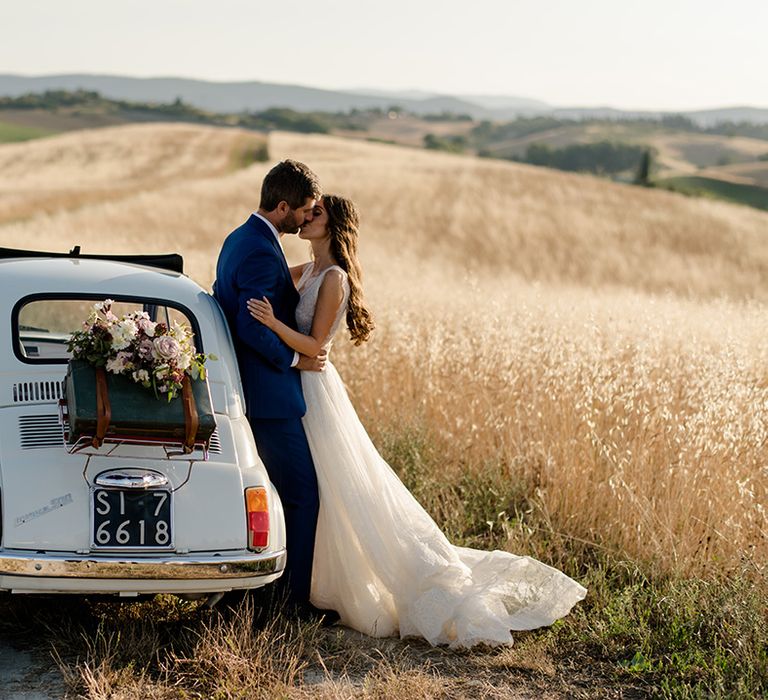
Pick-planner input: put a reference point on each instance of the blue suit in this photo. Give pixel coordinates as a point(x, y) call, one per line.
point(252, 265)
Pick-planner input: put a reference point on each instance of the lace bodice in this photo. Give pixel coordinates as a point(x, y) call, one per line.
point(309, 287)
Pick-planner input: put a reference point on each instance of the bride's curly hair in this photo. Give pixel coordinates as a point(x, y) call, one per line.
point(343, 224)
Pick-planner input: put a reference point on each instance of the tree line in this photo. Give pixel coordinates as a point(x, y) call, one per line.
point(276, 118)
point(487, 133)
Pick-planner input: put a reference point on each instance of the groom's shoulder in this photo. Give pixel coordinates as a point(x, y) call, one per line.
point(247, 234)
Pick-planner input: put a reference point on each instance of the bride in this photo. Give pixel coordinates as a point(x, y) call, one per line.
point(380, 560)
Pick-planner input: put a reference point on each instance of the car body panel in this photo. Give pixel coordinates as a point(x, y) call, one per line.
point(46, 490)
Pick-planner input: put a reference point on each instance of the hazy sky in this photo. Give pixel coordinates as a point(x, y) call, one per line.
point(650, 54)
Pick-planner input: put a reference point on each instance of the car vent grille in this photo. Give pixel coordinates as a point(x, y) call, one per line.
point(215, 443)
point(38, 432)
point(29, 392)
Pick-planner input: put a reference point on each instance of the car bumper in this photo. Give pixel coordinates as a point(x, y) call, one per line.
point(31, 572)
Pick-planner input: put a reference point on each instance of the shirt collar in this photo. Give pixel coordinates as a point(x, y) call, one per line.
point(270, 224)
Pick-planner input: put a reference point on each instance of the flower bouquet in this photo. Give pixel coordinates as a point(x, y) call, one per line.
point(119, 369)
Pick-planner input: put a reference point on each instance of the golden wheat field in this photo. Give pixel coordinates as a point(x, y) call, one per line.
point(604, 343)
point(598, 346)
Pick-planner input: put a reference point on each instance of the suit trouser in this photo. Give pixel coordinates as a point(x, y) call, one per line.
point(283, 448)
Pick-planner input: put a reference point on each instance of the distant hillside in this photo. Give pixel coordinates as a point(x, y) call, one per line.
point(257, 96)
point(61, 110)
point(230, 97)
point(490, 102)
point(726, 161)
point(704, 118)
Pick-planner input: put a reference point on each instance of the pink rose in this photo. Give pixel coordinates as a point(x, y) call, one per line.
point(165, 348)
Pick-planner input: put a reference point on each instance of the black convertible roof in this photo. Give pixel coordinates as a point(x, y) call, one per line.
point(171, 261)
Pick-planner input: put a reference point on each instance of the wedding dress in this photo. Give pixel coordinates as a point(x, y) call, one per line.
point(380, 560)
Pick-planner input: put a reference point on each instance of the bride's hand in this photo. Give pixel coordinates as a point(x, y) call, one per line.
point(262, 311)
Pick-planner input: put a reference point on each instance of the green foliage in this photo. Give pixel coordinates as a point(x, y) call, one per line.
point(446, 117)
point(289, 120)
point(13, 133)
point(678, 122)
point(685, 638)
point(250, 152)
point(604, 157)
point(750, 195)
point(51, 99)
point(748, 129)
point(176, 109)
point(449, 144)
point(284, 119)
point(643, 175)
point(267, 120)
point(487, 132)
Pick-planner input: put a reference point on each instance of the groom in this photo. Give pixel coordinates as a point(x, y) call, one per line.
point(251, 265)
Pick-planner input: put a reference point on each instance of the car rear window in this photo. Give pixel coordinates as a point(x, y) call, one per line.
point(43, 326)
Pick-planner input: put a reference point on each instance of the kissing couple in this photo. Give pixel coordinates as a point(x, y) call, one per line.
point(360, 547)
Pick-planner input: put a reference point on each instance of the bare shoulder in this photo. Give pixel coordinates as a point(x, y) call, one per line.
point(335, 274)
point(334, 278)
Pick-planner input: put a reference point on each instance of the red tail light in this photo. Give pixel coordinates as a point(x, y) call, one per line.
point(257, 509)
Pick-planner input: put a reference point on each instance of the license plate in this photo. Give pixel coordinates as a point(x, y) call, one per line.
point(132, 518)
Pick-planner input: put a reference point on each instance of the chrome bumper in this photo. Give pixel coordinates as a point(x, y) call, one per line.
point(182, 567)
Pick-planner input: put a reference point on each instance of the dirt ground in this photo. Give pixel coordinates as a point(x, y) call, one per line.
point(28, 674)
point(28, 671)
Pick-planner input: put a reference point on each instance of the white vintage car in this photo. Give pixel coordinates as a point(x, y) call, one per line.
point(126, 518)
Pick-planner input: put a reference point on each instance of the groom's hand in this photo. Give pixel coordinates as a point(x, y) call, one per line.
point(312, 364)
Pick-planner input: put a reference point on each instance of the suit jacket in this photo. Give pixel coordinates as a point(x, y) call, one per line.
point(252, 265)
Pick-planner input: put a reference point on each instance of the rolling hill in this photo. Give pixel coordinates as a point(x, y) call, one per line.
point(232, 97)
point(255, 96)
point(175, 186)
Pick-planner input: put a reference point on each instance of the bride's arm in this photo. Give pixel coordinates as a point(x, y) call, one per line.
point(329, 299)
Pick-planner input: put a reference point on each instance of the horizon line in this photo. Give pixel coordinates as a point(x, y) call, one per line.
point(357, 90)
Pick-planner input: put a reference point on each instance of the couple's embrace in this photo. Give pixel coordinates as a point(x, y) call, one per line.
point(360, 547)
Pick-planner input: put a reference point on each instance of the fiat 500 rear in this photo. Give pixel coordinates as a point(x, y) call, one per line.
point(123, 514)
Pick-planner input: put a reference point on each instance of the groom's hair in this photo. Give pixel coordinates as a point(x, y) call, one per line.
point(291, 182)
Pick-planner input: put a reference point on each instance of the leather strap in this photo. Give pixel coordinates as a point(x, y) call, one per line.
point(191, 418)
point(103, 407)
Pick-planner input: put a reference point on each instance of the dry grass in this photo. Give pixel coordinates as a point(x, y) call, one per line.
point(638, 420)
point(65, 173)
point(169, 649)
point(458, 213)
point(563, 366)
point(636, 424)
